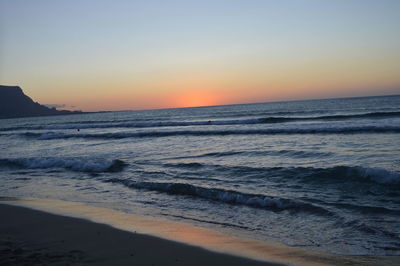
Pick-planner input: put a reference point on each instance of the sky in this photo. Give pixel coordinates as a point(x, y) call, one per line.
point(125, 55)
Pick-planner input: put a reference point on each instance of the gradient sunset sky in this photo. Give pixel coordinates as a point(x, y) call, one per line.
point(120, 55)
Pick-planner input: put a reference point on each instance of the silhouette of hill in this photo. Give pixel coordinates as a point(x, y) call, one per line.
point(14, 103)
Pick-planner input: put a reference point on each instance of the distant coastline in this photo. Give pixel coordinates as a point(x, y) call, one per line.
point(14, 103)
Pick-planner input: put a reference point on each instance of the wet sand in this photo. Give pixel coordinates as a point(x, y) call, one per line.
point(49, 232)
point(32, 237)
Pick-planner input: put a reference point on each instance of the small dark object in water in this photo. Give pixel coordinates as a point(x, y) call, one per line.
point(77, 129)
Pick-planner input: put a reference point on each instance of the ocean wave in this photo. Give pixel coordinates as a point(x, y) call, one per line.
point(344, 174)
point(331, 117)
point(334, 175)
point(270, 131)
point(225, 196)
point(350, 174)
point(378, 175)
point(148, 124)
point(74, 164)
point(287, 153)
point(365, 209)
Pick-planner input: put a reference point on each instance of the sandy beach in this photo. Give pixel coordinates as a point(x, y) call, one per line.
point(36, 232)
point(30, 237)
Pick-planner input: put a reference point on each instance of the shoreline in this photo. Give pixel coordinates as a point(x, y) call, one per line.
point(33, 237)
point(54, 231)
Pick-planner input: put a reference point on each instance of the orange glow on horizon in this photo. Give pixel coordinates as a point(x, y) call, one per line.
point(196, 99)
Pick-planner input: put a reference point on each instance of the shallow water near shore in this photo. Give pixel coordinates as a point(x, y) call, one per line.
point(322, 175)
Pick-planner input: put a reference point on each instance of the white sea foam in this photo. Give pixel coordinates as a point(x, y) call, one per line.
point(379, 175)
point(226, 196)
point(304, 129)
point(75, 164)
point(255, 120)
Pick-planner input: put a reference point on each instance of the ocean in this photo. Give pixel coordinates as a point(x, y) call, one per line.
point(322, 175)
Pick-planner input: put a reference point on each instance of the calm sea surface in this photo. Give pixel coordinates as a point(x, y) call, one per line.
point(323, 174)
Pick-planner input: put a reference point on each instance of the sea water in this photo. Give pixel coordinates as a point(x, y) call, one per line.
point(323, 175)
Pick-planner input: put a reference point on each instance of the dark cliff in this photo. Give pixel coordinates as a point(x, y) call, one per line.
point(14, 103)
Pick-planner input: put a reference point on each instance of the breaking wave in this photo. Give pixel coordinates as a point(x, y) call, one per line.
point(146, 124)
point(337, 174)
point(226, 196)
point(74, 164)
point(270, 131)
point(331, 117)
point(286, 153)
point(348, 174)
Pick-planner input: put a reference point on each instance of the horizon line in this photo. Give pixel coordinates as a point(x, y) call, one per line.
point(220, 105)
